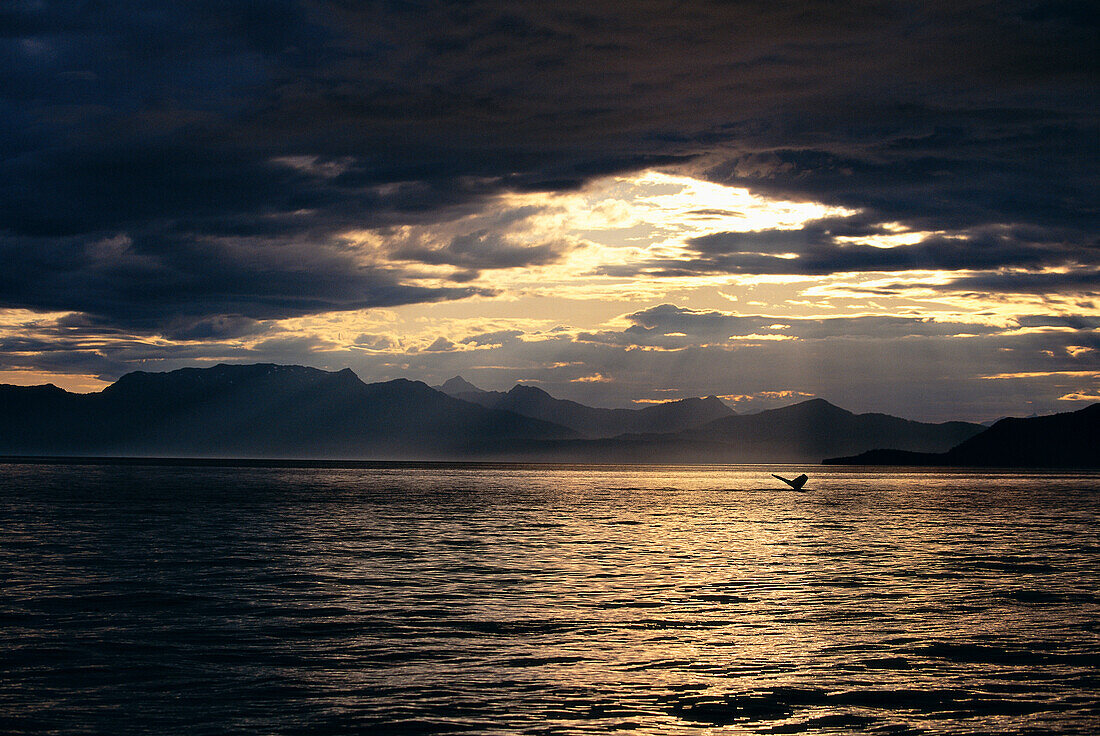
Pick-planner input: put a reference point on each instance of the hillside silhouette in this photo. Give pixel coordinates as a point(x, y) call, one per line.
point(588, 421)
point(257, 411)
point(803, 432)
point(1066, 440)
point(274, 411)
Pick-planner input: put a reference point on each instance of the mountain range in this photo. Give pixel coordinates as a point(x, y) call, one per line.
point(1067, 440)
point(588, 421)
point(257, 411)
point(803, 432)
point(275, 411)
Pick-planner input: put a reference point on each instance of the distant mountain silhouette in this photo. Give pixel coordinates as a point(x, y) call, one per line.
point(991, 422)
point(458, 385)
point(814, 429)
point(257, 411)
point(589, 421)
point(803, 432)
point(1067, 440)
point(272, 411)
point(459, 388)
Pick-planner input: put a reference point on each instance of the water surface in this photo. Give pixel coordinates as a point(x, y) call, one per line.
point(547, 599)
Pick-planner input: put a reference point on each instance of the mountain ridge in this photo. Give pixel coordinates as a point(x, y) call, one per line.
point(261, 410)
point(798, 433)
point(1064, 440)
point(588, 421)
point(270, 411)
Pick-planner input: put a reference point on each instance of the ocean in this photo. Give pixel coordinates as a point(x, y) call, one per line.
point(544, 599)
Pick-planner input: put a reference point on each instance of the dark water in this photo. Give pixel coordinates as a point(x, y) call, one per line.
point(547, 599)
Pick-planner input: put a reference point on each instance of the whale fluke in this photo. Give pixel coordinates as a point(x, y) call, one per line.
point(797, 483)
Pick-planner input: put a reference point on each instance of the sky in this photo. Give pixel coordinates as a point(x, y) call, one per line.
point(892, 206)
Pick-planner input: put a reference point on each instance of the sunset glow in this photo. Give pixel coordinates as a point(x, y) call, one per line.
point(774, 242)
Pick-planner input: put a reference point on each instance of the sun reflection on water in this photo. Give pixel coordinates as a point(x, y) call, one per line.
point(548, 598)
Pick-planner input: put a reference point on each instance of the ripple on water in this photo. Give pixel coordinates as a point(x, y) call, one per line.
point(522, 599)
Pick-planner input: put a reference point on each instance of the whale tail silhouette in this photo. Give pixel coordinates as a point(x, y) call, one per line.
point(797, 483)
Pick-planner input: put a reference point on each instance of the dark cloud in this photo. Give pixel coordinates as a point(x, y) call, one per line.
point(666, 318)
point(1079, 280)
point(484, 249)
point(673, 327)
point(185, 125)
point(499, 337)
point(821, 247)
point(219, 327)
point(287, 346)
point(1070, 321)
point(150, 284)
point(374, 342)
